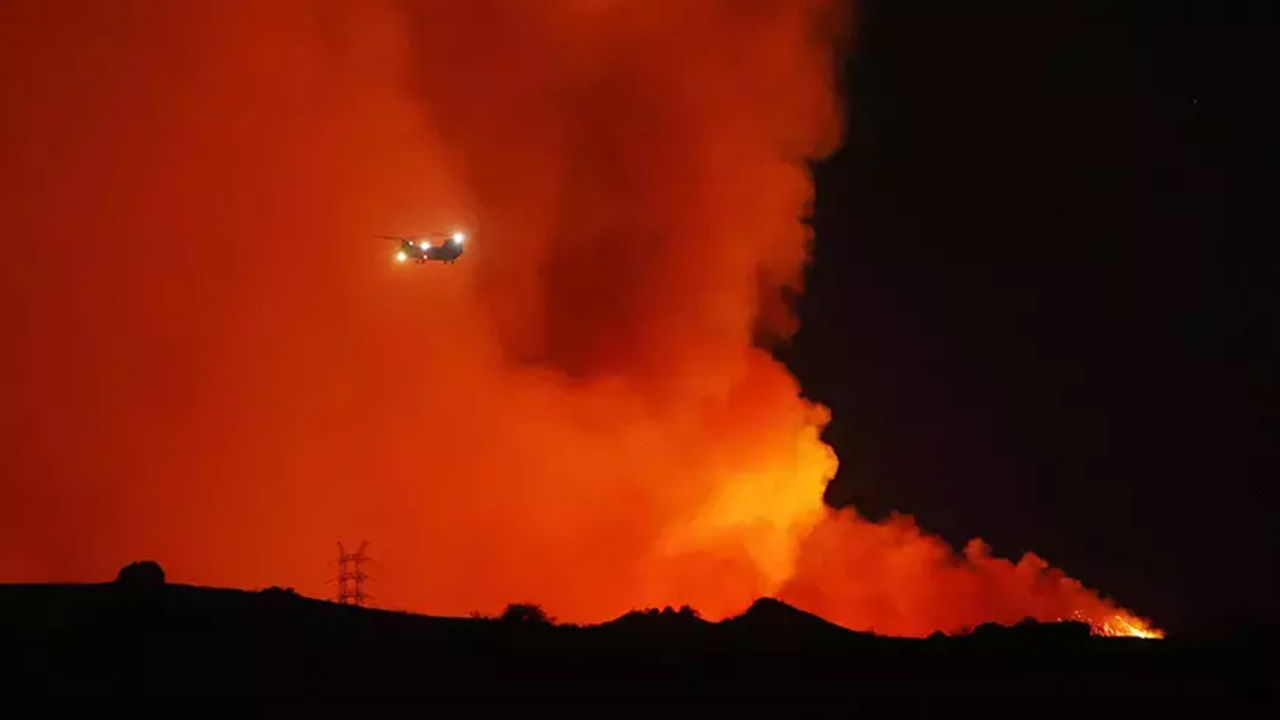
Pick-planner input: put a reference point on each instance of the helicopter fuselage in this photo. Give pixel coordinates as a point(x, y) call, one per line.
point(421, 251)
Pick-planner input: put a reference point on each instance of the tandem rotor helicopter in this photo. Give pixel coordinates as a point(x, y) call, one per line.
point(421, 249)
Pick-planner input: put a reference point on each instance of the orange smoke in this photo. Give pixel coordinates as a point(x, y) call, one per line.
point(217, 366)
point(894, 579)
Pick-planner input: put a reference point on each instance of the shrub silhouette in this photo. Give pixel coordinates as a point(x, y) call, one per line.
point(276, 592)
point(141, 575)
point(526, 614)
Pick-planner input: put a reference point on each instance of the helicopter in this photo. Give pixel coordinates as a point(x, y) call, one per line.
point(421, 249)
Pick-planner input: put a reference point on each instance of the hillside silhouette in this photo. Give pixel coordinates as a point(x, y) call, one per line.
point(140, 637)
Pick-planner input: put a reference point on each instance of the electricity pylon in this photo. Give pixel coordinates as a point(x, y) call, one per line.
point(351, 576)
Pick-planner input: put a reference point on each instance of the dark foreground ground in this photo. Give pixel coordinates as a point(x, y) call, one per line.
point(181, 642)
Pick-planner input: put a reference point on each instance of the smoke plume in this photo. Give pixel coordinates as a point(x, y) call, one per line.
point(216, 364)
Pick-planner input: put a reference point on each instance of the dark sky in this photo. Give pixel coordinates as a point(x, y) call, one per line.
point(1039, 306)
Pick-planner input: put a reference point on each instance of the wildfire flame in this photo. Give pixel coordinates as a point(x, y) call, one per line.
point(1120, 625)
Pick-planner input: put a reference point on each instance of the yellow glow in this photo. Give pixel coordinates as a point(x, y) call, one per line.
point(766, 510)
point(1120, 625)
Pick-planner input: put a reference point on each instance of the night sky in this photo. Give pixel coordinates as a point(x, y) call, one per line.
point(1039, 307)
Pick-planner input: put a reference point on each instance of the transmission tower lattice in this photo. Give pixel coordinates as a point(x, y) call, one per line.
point(351, 576)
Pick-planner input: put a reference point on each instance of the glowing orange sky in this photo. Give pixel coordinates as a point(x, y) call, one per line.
point(213, 363)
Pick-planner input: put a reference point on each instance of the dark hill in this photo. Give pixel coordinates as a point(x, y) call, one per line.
point(156, 641)
point(775, 614)
point(773, 624)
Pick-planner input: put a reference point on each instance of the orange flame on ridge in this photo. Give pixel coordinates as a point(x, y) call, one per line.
point(1122, 625)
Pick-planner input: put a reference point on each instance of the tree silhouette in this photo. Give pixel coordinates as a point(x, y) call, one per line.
point(526, 614)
